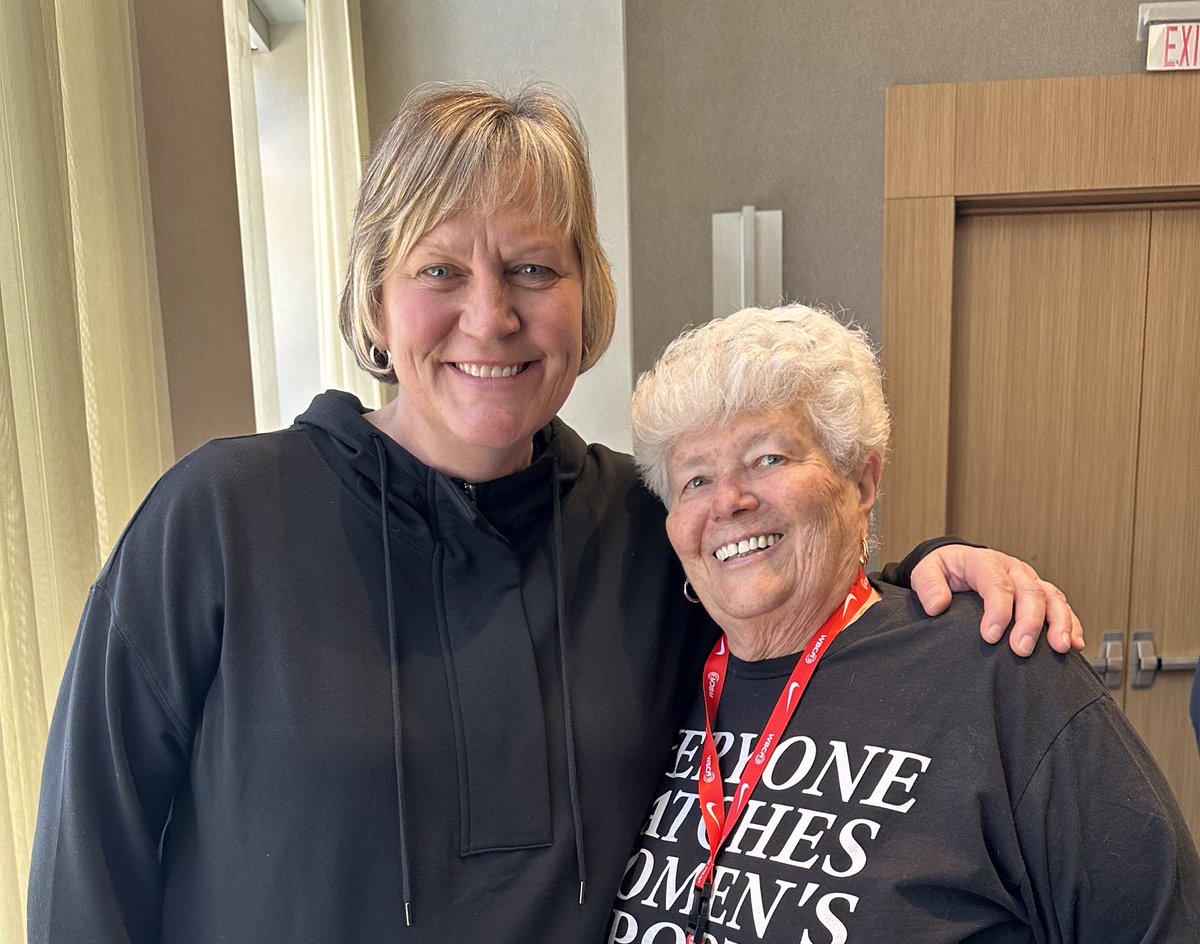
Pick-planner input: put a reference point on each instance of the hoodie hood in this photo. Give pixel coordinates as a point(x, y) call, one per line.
point(515, 506)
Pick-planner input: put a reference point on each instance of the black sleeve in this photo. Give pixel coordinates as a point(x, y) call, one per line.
point(120, 740)
point(116, 755)
point(900, 574)
point(1107, 852)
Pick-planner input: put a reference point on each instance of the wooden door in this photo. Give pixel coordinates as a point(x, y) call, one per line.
point(1072, 411)
point(1166, 544)
point(1042, 343)
point(1045, 377)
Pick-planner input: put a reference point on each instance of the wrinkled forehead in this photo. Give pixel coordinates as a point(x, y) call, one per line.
point(709, 443)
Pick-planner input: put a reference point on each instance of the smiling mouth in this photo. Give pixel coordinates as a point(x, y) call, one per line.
point(746, 546)
point(492, 371)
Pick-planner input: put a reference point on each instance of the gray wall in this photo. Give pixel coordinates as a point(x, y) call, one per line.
point(780, 104)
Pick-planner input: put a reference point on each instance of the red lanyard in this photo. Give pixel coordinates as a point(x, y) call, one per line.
point(717, 823)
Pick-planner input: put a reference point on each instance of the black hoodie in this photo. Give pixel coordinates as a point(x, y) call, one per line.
point(317, 679)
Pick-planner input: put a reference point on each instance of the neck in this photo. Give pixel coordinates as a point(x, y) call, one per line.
point(458, 460)
point(755, 643)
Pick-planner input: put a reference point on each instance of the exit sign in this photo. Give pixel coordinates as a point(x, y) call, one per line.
point(1173, 46)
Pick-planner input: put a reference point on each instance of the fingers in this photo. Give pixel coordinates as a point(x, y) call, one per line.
point(1037, 606)
point(1029, 610)
point(955, 567)
point(1011, 590)
point(1003, 597)
point(1064, 631)
point(929, 581)
point(1012, 593)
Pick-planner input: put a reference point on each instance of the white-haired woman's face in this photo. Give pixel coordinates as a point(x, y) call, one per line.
point(766, 529)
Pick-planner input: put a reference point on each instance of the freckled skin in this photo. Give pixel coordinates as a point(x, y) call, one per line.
point(766, 473)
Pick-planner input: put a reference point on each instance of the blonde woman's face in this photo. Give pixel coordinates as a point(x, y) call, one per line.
point(484, 322)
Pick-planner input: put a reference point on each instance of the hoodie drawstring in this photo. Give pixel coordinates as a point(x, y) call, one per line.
point(568, 721)
point(393, 652)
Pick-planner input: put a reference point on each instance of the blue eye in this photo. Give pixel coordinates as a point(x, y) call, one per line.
point(696, 481)
point(534, 274)
point(771, 459)
point(437, 271)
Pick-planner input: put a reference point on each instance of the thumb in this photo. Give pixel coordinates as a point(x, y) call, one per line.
point(929, 584)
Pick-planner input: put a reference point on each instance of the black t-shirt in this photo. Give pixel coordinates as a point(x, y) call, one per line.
point(929, 788)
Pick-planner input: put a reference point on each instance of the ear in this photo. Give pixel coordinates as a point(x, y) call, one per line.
point(866, 481)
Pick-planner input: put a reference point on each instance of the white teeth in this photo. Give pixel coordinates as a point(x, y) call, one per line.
point(489, 371)
point(745, 546)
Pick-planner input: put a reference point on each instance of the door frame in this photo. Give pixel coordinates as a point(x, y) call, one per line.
point(1000, 145)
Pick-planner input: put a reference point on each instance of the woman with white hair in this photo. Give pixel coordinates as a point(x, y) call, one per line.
point(917, 786)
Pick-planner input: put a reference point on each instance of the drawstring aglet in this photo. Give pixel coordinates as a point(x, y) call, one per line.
point(581, 893)
point(407, 916)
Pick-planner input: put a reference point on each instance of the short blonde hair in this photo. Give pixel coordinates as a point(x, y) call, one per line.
point(758, 359)
point(453, 148)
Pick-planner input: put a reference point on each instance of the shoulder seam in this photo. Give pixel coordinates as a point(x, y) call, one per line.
point(180, 729)
point(1050, 745)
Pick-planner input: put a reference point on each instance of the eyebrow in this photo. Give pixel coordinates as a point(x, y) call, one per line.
point(698, 456)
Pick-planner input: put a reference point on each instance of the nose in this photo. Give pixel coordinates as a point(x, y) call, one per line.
point(488, 313)
point(731, 497)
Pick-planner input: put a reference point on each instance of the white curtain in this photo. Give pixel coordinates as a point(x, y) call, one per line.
point(84, 414)
point(338, 130)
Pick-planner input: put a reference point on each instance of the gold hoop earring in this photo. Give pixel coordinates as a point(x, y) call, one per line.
point(865, 553)
point(689, 594)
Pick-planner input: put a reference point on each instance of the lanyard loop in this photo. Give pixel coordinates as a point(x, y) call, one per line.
point(718, 825)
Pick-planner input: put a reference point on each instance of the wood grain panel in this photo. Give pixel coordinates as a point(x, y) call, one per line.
point(1047, 344)
point(916, 362)
point(1167, 536)
point(1079, 133)
point(919, 141)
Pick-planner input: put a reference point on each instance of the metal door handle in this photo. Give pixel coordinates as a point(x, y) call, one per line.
point(1111, 663)
point(1147, 662)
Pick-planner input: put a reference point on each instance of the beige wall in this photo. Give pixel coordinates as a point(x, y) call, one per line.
point(576, 45)
point(193, 199)
point(779, 103)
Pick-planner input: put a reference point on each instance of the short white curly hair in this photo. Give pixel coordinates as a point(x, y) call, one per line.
point(757, 360)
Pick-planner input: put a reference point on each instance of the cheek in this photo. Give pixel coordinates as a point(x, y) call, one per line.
point(684, 535)
point(414, 320)
point(561, 325)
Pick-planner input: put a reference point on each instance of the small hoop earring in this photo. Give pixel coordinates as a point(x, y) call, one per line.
point(386, 366)
point(688, 593)
point(865, 553)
